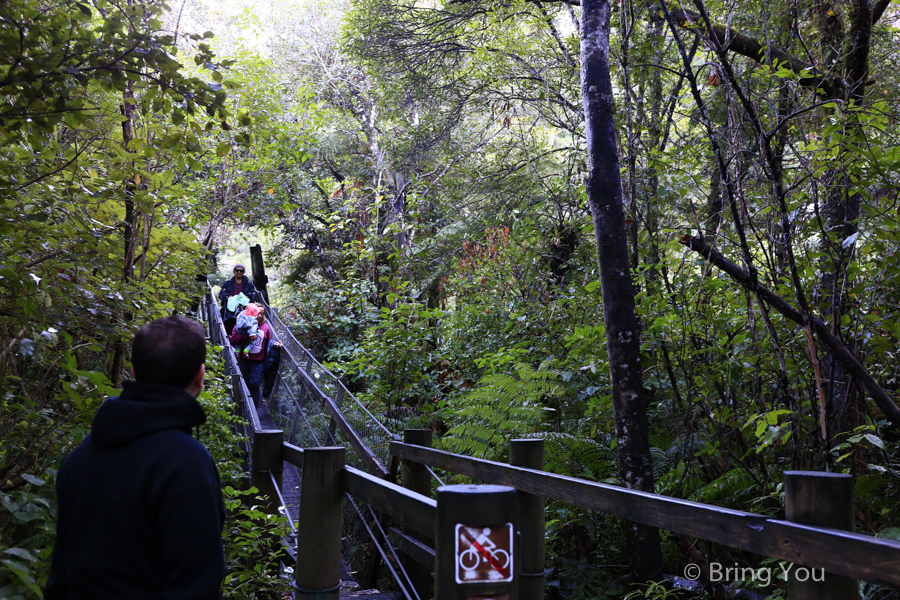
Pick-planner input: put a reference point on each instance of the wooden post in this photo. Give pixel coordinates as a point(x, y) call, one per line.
point(417, 479)
point(529, 453)
point(824, 500)
point(319, 525)
point(236, 391)
point(266, 457)
point(487, 516)
point(258, 271)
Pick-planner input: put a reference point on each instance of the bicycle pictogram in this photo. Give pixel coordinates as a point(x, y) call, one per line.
point(496, 557)
point(483, 553)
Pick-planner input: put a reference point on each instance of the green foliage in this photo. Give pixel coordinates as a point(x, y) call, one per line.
point(253, 551)
point(28, 517)
point(578, 456)
point(653, 590)
point(397, 356)
point(502, 407)
point(73, 49)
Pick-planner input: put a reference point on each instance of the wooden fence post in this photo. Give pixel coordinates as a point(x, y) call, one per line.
point(529, 453)
point(476, 546)
point(824, 500)
point(258, 271)
point(266, 457)
point(417, 479)
point(319, 524)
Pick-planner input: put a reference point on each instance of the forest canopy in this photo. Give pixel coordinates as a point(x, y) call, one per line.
point(433, 184)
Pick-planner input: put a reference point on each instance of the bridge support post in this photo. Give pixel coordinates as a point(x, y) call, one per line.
point(258, 271)
point(266, 456)
point(319, 524)
point(825, 500)
point(417, 479)
point(476, 551)
point(529, 453)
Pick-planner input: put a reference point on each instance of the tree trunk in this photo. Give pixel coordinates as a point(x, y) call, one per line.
point(604, 191)
point(128, 234)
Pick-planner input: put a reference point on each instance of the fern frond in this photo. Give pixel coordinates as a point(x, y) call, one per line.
point(734, 484)
point(502, 407)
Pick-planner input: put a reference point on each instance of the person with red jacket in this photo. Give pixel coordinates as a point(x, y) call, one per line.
point(253, 365)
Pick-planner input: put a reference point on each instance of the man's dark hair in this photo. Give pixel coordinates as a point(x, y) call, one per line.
point(168, 351)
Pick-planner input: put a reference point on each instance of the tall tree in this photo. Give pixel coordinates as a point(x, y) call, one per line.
point(604, 191)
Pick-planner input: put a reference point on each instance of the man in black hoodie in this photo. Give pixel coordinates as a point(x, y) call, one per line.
point(140, 503)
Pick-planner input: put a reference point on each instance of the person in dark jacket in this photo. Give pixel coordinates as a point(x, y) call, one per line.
point(239, 284)
point(270, 367)
point(140, 502)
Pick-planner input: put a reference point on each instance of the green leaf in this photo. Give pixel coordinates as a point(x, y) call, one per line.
point(875, 440)
point(21, 553)
point(32, 479)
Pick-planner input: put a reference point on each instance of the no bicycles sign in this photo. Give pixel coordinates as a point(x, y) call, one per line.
point(484, 553)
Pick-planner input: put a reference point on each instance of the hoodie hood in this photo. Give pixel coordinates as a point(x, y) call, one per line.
point(144, 408)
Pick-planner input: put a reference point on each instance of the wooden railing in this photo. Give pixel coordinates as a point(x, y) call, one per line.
point(843, 553)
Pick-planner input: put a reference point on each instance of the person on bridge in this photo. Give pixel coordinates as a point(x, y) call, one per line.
point(253, 365)
point(270, 369)
point(140, 502)
point(234, 286)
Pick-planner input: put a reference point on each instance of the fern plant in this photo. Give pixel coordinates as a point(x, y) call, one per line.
point(503, 406)
point(578, 456)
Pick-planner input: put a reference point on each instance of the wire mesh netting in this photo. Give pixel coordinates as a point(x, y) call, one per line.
point(298, 398)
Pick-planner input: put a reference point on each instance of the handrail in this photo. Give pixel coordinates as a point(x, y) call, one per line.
point(841, 552)
point(331, 404)
point(215, 319)
point(405, 506)
point(364, 452)
point(292, 455)
point(342, 389)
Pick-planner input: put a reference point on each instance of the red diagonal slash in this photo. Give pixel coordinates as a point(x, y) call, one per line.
point(487, 555)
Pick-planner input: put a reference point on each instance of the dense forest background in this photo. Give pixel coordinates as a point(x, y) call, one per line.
point(417, 172)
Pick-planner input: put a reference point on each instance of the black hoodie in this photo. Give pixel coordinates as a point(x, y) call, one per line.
point(140, 504)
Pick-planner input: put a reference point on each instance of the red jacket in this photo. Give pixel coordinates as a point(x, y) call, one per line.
point(237, 339)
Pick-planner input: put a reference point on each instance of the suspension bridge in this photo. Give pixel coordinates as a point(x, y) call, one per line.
point(329, 464)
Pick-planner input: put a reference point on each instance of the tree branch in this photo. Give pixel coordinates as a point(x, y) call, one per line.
point(879, 9)
point(750, 47)
point(831, 341)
